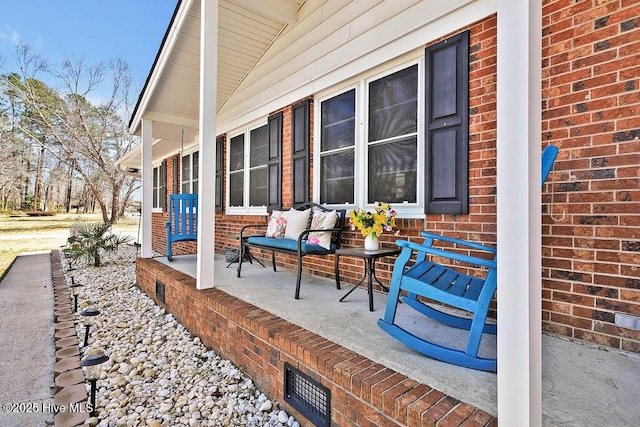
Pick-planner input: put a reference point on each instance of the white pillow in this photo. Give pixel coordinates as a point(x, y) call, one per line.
point(322, 221)
point(277, 224)
point(297, 222)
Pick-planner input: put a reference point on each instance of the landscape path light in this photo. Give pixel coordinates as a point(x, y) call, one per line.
point(75, 290)
point(92, 366)
point(89, 317)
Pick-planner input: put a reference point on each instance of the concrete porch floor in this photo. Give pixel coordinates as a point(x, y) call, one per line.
point(583, 385)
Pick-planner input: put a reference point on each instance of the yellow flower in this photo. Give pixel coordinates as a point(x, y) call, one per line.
point(380, 220)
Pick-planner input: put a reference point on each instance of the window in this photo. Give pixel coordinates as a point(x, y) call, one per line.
point(337, 148)
point(401, 137)
point(248, 172)
point(236, 171)
point(219, 172)
point(160, 186)
point(392, 143)
point(387, 144)
point(190, 173)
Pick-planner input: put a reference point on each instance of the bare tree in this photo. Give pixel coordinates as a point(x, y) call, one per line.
point(87, 138)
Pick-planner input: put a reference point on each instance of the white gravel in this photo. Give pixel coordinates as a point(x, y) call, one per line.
point(158, 374)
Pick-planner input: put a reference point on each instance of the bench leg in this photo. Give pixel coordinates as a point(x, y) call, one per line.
point(337, 270)
point(273, 260)
point(299, 277)
point(240, 257)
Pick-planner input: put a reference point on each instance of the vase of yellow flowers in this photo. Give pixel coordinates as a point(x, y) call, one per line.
point(373, 223)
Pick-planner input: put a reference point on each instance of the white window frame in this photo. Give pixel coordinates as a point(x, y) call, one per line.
point(190, 181)
point(245, 208)
point(155, 189)
point(405, 210)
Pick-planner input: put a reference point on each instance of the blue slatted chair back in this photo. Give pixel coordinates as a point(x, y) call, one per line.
point(183, 220)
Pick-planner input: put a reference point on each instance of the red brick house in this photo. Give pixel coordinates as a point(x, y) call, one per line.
point(230, 72)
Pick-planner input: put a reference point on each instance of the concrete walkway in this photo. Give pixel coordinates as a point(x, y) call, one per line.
point(26, 343)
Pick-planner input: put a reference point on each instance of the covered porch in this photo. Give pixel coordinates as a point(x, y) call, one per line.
point(188, 104)
point(582, 384)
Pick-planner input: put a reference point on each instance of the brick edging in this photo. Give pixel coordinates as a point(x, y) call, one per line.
point(69, 380)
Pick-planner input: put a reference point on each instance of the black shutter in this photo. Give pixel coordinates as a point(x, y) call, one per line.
point(274, 165)
point(174, 163)
point(300, 175)
point(447, 126)
point(163, 185)
point(219, 174)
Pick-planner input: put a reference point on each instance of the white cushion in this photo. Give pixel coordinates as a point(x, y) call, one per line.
point(277, 224)
point(297, 222)
point(322, 221)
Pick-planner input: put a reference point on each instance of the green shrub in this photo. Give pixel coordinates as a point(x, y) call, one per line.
point(92, 238)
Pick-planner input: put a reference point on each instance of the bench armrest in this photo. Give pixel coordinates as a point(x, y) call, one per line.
point(430, 237)
point(251, 226)
point(303, 236)
point(410, 246)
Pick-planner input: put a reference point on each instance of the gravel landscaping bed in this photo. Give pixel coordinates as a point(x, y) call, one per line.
point(158, 374)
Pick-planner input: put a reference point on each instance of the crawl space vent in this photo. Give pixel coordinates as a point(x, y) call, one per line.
point(160, 291)
point(309, 397)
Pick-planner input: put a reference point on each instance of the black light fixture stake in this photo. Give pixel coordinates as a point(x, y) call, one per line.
point(75, 289)
point(91, 366)
point(89, 316)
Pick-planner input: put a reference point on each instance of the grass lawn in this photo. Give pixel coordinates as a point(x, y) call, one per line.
point(32, 234)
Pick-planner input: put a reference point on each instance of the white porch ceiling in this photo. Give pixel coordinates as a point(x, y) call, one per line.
point(246, 29)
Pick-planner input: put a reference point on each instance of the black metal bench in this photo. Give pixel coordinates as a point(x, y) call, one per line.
point(299, 248)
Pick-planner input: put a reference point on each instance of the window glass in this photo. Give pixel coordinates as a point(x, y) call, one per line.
point(392, 171)
point(337, 148)
point(258, 154)
point(393, 128)
point(190, 173)
point(156, 180)
point(195, 168)
point(186, 174)
point(236, 171)
point(393, 105)
point(337, 175)
point(159, 186)
point(338, 121)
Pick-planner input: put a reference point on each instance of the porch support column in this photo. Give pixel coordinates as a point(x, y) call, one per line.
point(147, 188)
point(207, 142)
point(519, 213)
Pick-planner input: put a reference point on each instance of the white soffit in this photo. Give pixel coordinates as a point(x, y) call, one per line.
point(246, 30)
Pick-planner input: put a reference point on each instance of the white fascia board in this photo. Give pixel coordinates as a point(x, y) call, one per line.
point(160, 64)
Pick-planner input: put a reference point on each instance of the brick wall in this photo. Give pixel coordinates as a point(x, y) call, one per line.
point(591, 202)
point(591, 225)
point(363, 392)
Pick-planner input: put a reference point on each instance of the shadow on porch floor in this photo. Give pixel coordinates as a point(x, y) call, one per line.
point(583, 385)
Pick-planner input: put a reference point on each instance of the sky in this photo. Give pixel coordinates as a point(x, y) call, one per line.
point(93, 30)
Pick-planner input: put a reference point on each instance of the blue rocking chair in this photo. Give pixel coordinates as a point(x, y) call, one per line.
point(429, 279)
point(183, 218)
